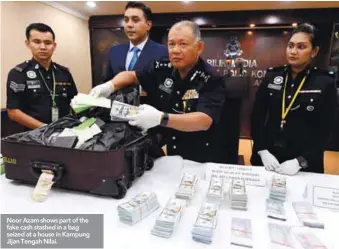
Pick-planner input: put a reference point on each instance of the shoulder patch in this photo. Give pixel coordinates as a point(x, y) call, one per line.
point(162, 64)
point(21, 67)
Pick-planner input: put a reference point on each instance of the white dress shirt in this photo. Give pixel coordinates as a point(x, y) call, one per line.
point(130, 52)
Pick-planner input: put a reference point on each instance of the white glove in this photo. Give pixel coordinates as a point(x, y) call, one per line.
point(269, 161)
point(289, 167)
point(147, 117)
point(102, 90)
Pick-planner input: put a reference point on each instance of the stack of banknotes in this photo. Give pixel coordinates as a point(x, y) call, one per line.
point(123, 112)
point(306, 215)
point(138, 207)
point(205, 223)
point(43, 186)
point(238, 195)
point(168, 218)
point(215, 191)
point(278, 188)
point(241, 232)
point(187, 186)
point(280, 236)
point(275, 209)
point(307, 239)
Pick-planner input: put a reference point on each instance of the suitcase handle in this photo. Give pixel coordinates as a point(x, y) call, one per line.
point(57, 169)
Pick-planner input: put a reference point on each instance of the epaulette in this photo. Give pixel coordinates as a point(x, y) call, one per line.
point(21, 67)
point(162, 64)
point(276, 69)
point(56, 65)
point(323, 72)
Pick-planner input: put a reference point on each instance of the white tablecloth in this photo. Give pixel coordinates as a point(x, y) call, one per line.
point(163, 179)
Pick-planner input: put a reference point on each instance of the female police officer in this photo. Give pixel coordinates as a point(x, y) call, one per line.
point(294, 111)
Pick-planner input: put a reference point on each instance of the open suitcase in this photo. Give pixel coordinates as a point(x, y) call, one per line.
point(108, 173)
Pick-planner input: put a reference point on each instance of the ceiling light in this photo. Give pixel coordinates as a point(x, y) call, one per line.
point(249, 32)
point(252, 25)
point(294, 24)
point(272, 20)
point(200, 21)
point(91, 4)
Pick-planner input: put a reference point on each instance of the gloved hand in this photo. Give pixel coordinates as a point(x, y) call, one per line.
point(289, 167)
point(147, 117)
point(269, 161)
point(102, 90)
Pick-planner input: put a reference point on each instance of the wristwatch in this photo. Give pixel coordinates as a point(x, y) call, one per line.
point(164, 119)
point(302, 162)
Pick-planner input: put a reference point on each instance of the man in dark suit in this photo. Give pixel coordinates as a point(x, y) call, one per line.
point(141, 50)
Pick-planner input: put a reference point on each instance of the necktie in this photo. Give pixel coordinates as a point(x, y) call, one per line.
point(135, 51)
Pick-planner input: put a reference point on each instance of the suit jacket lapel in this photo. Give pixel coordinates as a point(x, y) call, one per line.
point(144, 55)
point(122, 56)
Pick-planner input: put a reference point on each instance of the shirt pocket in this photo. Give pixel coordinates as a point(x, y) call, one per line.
point(308, 103)
point(190, 105)
point(35, 89)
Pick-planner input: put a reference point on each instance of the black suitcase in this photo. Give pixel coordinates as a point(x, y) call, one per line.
point(99, 172)
point(108, 173)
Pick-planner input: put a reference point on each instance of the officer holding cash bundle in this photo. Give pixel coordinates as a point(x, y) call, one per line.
point(186, 98)
point(39, 91)
point(295, 109)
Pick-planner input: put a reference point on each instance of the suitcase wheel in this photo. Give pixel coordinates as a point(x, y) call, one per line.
point(140, 172)
point(149, 163)
point(122, 189)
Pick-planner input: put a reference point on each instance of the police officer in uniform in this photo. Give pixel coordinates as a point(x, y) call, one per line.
point(295, 110)
point(185, 97)
point(39, 90)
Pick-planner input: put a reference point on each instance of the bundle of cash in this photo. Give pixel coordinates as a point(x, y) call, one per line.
point(307, 239)
point(122, 112)
point(215, 191)
point(138, 207)
point(168, 218)
point(238, 195)
point(280, 235)
point(275, 209)
point(43, 186)
point(206, 223)
point(83, 102)
point(187, 186)
point(306, 215)
point(241, 234)
point(278, 188)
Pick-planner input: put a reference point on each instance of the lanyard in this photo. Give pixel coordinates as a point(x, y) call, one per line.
point(285, 111)
point(49, 90)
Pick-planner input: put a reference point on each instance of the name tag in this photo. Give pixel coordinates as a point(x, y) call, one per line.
point(165, 89)
point(33, 84)
point(273, 86)
point(310, 91)
point(63, 84)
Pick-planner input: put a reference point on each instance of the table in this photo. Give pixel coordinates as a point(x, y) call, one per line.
point(163, 179)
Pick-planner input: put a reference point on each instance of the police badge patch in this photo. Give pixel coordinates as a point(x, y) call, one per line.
point(278, 80)
point(31, 74)
point(168, 82)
